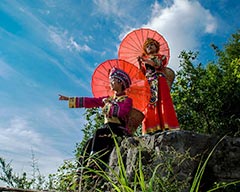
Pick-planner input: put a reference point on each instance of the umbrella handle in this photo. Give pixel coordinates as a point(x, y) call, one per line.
point(140, 61)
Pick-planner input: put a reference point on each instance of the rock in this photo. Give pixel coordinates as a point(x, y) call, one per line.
point(174, 158)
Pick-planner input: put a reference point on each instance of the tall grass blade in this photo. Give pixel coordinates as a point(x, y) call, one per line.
point(201, 168)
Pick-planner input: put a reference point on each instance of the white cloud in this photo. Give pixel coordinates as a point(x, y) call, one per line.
point(64, 41)
point(50, 133)
point(62, 119)
point(72, 44)
point(58, 36)
point(18, 136)
point(18, 140)
point(123, 12)
point(182, 24)
point(109, 7)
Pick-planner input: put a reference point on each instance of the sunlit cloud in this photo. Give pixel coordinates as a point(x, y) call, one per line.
point(66, 121)
point(66, 42)
point(18, 137)
point(182, 24)
point(74, 45)
point(109, 7)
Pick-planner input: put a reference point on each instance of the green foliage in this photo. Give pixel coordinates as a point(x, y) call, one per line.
point(64, 178)
point(207, 99)
point(226, 187)
point(21, 181)
point(95, 120)
point(201, 168)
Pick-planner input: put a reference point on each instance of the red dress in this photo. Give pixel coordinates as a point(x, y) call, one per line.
point(159, 114)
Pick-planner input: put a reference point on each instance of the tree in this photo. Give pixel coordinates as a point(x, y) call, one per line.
point(95, 120)
point(207, 99)
point(22, 181)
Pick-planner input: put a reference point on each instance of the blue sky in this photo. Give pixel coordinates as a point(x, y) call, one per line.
point(49, 47)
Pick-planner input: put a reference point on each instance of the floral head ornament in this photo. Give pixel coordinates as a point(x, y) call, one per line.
point(147, 42)
point(120, 75)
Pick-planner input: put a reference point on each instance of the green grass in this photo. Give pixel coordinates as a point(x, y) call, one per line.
point(118, 180)
point(161, 178)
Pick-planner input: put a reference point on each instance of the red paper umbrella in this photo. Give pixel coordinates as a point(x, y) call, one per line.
point(139, 90)
point(132, 45)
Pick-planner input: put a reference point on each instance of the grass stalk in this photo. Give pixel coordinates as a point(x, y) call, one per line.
point(201, 168)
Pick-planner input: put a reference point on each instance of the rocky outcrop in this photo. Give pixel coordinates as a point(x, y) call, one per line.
point(173, 158)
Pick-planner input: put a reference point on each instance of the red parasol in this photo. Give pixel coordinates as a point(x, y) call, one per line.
point(139, 90)
point(132, 45)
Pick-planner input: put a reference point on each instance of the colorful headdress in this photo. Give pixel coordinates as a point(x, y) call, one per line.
point(120, 75)
point(150, 40)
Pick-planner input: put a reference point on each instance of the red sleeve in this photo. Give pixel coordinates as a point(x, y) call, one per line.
point(86, 102)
